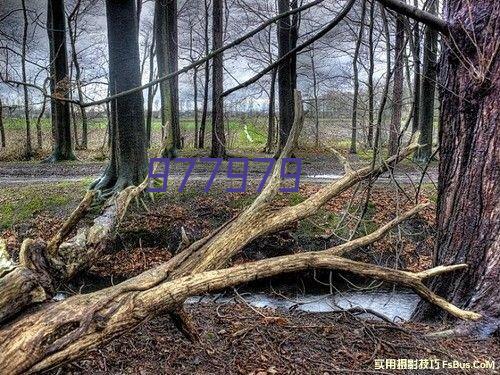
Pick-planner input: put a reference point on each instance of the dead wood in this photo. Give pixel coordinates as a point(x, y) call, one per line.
point(62, 331)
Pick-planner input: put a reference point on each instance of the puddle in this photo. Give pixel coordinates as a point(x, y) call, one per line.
point(325, 176)
point(396, 306)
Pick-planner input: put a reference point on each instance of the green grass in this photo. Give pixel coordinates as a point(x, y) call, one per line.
point(21, 203)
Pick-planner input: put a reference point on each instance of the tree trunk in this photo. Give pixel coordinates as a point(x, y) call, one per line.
point(428, 89)
point(397, 93)
point(416, 74)
point(151, 90)
point(218, 135)
point(294, 37)
point(468, 207)
point(74, 123)
point(41, 114)
point(29, 149)
point(2, 129)
point(167, 60)
point(315, 97)
point(285, 80)
point(354, 125)
point(78, 79)
point(59, 85)
point(203, 124)
point(271, 113)
point(371, 67)
point(195, 106)
point(128, 163)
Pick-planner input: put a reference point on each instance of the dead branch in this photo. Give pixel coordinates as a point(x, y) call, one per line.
point(62, 331)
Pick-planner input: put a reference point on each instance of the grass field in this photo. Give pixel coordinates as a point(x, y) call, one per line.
point(242, 134)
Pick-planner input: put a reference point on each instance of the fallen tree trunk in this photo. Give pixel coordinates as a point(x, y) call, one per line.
point(262, 218)
point(64, 330)
point(61, 331)
point(62, 260)
point(41, 266)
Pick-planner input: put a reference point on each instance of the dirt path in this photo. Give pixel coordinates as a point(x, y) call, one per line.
point(313, 171)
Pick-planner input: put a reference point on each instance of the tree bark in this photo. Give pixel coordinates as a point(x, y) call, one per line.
point(428, 90)
point(371, 68)
point(285, 80)
point(73, 17)
point(271, 113)
point(167, 59)
point(128, 162)
point(29, 149)
point(41, 114)
point(294, 37)
point(203, 124)
point(151, 90)
point(315, 97)
point(468, 207)
point(59, 85)
point(195, 107)
point(397, 93)
point(218, 135)
point(416, 75)
point(354, 118)
point(2, 129)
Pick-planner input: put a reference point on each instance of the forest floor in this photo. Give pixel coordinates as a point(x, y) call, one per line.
point(238, 338)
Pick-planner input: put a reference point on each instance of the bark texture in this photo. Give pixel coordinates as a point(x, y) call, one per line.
point(354, 118)
point(428, 91)
point(167, 58)
point(397, 93)
point(285, 80)
point(218, 134)
point(271, 114)
point(2, 129)
point(128, 162)
point(59, 83)
point(469, 193)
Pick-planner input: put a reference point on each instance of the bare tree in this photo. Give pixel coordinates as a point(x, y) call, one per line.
point(28, 151)
point(59, 83)
point(218, 135)
point(73, 24)
point(359, 40)
point(285, 79)
point(2, 129)
point(128, 161)
point(315, 97)
point(397, 93)
point(167, 60)
point(371, 68)
point(416, 74)
point(201, 139)
point(428, 90)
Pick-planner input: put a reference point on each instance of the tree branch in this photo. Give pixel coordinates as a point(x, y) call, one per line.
point(426, 18)
point(294, 51)
point(63, 331)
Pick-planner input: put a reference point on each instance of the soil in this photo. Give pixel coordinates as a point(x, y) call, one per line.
point(238, 339)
